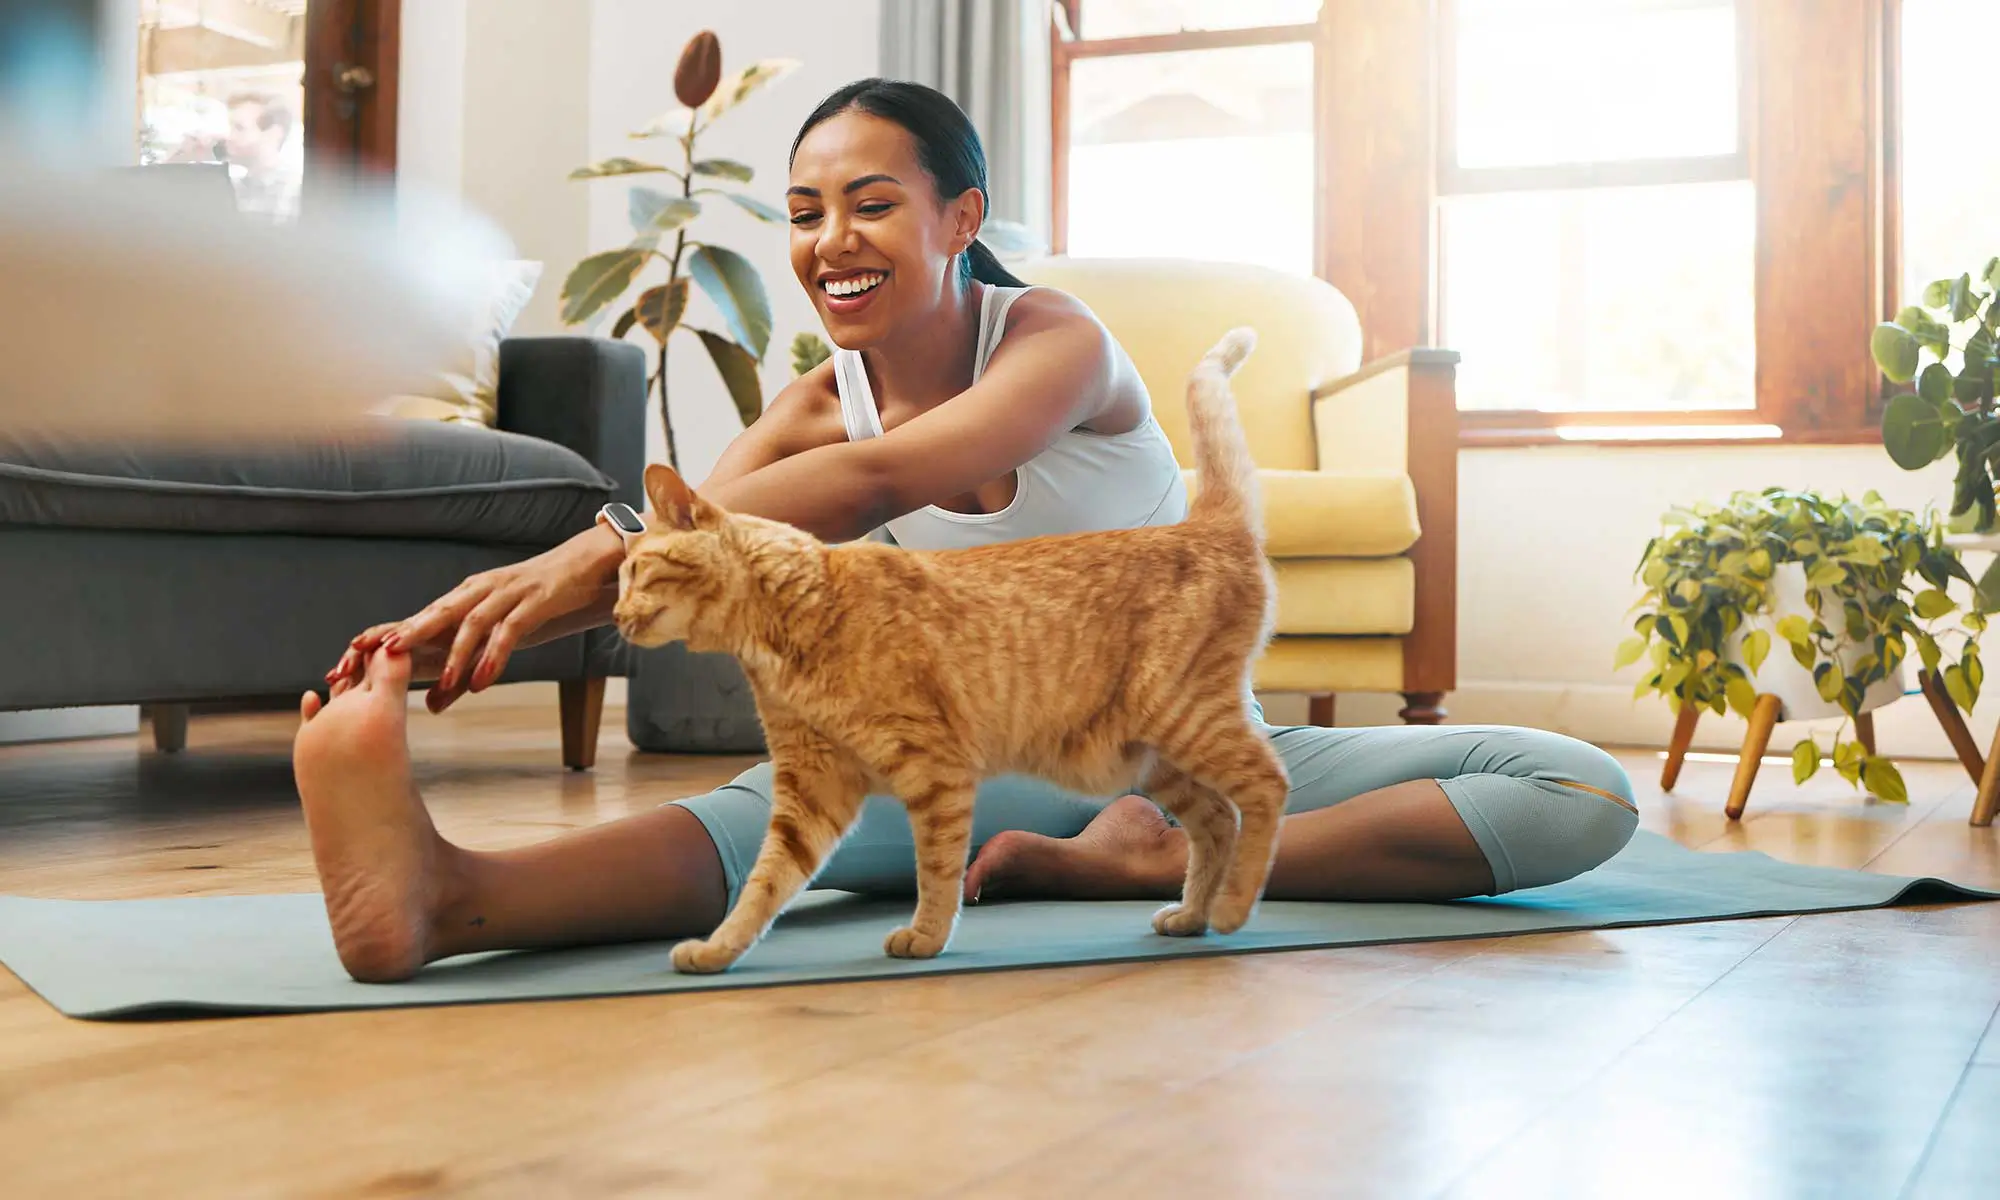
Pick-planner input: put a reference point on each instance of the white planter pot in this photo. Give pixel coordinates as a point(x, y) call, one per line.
point(1782, 676)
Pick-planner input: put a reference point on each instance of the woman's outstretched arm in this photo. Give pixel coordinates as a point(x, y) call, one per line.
point(794, 464)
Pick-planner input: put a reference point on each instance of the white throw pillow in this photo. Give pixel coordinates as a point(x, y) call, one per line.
point(468, 390)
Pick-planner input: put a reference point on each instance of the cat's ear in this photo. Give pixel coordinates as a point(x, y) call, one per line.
point(676, 504)
point(673, 500)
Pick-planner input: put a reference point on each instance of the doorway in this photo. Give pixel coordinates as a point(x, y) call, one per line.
point(286, 97)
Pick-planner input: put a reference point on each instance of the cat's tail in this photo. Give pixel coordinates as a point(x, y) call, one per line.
point(1225, 475)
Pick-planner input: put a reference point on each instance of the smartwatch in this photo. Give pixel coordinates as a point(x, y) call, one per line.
point(622, 520)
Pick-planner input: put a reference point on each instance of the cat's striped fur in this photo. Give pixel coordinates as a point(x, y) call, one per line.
point(1103, 661)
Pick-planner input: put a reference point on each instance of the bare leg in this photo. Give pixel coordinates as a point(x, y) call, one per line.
point(398, 895)
point(1404, 842)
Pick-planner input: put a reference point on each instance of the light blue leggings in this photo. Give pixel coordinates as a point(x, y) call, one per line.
point(1543, 807)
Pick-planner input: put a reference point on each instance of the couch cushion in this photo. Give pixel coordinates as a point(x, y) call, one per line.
point(1346, 596)
point(398, 479)
point(1335, 514)
point(1329, 664)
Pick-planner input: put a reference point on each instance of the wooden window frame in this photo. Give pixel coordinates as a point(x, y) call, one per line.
point(1818, 140)
point(1065, 51)
point(1487, 425)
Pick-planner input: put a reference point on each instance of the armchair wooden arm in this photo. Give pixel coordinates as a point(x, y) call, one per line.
point(1401, 413)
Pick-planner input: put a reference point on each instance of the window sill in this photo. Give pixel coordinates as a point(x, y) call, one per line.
point(1490, 435)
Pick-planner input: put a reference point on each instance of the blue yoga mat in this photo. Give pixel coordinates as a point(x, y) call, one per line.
point(263, 954)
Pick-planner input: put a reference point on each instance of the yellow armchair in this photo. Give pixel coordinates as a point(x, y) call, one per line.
point(1359, 465)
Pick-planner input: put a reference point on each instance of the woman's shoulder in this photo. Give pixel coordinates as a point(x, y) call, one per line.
point(1102, 363)
point(1050, 308)
point(1041, 310)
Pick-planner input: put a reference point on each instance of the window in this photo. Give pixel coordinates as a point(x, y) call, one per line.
point(280, 98)
point(1596, 219)
point(1636, 220)
point(1139, 18)
point(1153, 94)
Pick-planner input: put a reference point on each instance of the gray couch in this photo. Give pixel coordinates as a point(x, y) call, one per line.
point(163, 576)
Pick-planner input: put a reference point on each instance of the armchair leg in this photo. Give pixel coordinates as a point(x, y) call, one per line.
point(170, 726)
point(582, 703)
point(1319, 711)
point(1423, 708)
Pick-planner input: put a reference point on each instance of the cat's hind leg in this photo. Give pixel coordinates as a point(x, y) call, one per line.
point(1231, 757)
point(1210, 824)
point(816, 795)
point(940, 811)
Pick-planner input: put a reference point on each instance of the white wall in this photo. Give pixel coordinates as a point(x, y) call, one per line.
point(430, 98)
point(526, 115)
point(634, 44)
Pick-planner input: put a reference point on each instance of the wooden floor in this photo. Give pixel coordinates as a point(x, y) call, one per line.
point(1828, 1056)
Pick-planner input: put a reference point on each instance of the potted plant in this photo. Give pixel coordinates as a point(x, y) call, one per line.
point(678, 700)
point(727, 278)
point(1947, 410)
point(1848, 586)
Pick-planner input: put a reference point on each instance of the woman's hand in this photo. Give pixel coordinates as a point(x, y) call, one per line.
point(464, 638)
point(426, 661)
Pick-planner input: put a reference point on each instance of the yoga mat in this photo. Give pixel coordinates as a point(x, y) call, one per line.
point(259, 954)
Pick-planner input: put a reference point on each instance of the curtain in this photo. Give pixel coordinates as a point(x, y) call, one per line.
point(992, 57)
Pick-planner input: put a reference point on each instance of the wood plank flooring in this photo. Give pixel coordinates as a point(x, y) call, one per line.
point(1839, 1055)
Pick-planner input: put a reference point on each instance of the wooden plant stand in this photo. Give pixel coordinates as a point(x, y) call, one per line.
point(1985, 772)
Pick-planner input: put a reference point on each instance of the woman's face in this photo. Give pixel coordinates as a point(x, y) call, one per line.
point(871, 241)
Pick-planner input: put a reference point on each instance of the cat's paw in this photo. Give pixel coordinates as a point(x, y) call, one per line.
point(1228, 916)
point(695, 957)
point(1178, 920)
point(911, 942)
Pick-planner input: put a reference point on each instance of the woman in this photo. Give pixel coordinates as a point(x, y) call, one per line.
point(961, 408)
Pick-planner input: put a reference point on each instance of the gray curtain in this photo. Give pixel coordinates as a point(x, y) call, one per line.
point(992, 57)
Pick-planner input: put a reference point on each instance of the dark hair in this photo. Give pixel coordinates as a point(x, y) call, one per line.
point(947, 146)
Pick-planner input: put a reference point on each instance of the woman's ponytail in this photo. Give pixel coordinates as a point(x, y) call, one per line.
point(980, 263)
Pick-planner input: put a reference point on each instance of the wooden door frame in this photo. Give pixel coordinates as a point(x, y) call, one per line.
point(352, 33)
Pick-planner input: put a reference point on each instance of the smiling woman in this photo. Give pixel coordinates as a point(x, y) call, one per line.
point(962, 411)
point(951, 161)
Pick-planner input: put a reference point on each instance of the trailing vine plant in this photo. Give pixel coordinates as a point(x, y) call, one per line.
point(1878, 577)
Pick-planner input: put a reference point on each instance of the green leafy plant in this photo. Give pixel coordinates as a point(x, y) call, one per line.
point(808, 351)
point(1948, 409)
point(1880, 574)
point(727, 278)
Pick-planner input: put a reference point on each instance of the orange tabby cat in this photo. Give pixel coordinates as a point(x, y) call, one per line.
point(1099, 661)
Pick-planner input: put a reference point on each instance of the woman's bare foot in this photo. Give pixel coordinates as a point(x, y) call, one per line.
point(380, 859)
point(1128, 852)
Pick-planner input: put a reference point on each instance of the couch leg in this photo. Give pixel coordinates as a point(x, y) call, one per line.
point(582, 710)
point(1319, 711)
point(1423, 708)
point(170, 726)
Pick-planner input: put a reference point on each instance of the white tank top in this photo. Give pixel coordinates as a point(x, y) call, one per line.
point(1082, 483)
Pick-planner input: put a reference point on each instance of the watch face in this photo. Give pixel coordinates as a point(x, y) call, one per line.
point(627, 521)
